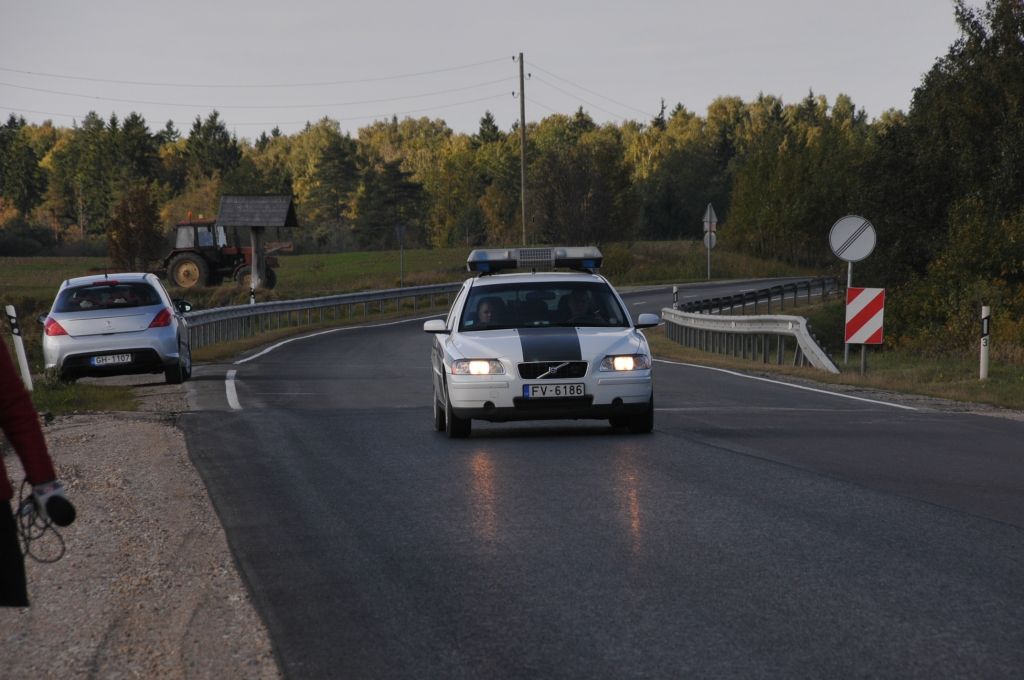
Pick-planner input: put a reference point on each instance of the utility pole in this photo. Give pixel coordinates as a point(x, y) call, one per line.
point(522, 144)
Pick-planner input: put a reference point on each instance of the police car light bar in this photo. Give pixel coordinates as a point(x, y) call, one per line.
point(491, 260)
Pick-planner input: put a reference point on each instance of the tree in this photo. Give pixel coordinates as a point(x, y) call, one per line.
point(387, 198)
point(168, 135)
point(210, 148)
point(579, 185)
point(488, 132)
point(136, 151)
point(134, 237)
point(333, 182)
point(22, 181)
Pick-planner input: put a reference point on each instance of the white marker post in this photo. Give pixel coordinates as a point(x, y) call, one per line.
point(986, 317)
point(19, 347)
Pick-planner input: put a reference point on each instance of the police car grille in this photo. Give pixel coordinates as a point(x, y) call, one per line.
point(533, 370)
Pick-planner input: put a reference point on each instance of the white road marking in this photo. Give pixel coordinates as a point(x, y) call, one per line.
point(786, 384)
point(229, 379)
point(331, 330)
point(637, 304)
point(229, 388)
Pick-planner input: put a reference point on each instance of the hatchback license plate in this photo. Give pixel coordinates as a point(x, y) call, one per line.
point(553, 390)
point(111, 359)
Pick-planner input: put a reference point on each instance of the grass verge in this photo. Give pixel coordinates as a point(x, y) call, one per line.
point(954, 378)
point(65, 398)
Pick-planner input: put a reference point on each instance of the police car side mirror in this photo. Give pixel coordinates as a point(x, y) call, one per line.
point(647, 321)
point(434, 326)
point(183, 306)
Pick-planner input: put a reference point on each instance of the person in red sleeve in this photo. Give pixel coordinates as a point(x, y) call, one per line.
point(20, 422)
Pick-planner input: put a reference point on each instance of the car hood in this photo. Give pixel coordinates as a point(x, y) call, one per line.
point(547, 344)
point(107, 321)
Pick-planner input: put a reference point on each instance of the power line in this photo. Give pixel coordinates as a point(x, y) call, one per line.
point(257, 86)
point(299, 122)
point(255, 107)
point(597, 94)
point(576, 97)
point(41, 113)
point(533, 100)
point(385, 115)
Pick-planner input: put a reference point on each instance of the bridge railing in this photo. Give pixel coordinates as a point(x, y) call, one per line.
point(225, 324)
point(721, 325)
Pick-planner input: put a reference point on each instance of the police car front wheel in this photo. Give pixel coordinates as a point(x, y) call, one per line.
point(456, 427)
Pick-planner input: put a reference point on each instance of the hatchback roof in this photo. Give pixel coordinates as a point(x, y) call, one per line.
point(93, 278)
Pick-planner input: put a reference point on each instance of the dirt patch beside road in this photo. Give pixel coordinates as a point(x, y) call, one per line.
point(147, 587)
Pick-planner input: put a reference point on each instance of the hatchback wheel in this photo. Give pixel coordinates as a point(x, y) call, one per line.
point(186, 364)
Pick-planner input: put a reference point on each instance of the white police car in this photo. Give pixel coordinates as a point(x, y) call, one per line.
point(531, 346)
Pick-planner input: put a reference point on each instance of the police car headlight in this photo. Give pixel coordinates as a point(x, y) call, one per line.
point(477, 367)
point(626, 362)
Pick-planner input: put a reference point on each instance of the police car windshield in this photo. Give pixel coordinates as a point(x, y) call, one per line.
point(534, 304)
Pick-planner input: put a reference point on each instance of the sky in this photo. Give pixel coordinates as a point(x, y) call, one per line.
point(266, 64)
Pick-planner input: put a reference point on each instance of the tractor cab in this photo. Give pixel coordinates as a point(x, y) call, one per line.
point(200, 234)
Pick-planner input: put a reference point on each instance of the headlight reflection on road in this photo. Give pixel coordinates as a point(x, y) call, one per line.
point(484, 513)
point(628, 488)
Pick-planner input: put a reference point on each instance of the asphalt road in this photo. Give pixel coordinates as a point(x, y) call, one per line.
point(761, 530)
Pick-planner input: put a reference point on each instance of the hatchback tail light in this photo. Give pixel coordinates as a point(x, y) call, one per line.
point(163, 318)
point(51, 327)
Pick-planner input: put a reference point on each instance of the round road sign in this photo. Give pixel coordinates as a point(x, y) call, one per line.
point(710, 239)
point(852, 238)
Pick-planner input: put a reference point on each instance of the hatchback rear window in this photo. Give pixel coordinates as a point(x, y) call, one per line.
point(107, 296)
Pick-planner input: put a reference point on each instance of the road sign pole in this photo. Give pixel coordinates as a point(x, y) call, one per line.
point(852, 238)
point(709, 261)
point(849, 283)
point(863, 359)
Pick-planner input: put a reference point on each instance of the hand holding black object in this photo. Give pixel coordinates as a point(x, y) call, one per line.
point(52, 504)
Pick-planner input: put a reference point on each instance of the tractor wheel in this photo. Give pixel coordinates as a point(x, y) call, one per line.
point(188, 271)
point(244, 278)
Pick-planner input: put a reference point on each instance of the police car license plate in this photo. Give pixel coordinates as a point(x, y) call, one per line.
point(553, 390)
point(111, 359)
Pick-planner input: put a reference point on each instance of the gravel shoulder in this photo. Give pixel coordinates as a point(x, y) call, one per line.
point(148, 587)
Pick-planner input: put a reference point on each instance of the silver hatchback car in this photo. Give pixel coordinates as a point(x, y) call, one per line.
point(116, 324)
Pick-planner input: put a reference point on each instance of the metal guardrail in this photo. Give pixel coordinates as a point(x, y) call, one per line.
point(763, 298)
point(224, 324)
point(751, 336)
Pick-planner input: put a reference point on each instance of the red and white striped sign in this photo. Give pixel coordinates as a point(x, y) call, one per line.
point(864, 310)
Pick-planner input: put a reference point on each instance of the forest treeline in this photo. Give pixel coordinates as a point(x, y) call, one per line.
point(943, 183)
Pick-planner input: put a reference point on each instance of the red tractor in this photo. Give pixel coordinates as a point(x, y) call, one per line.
point(206, 253)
